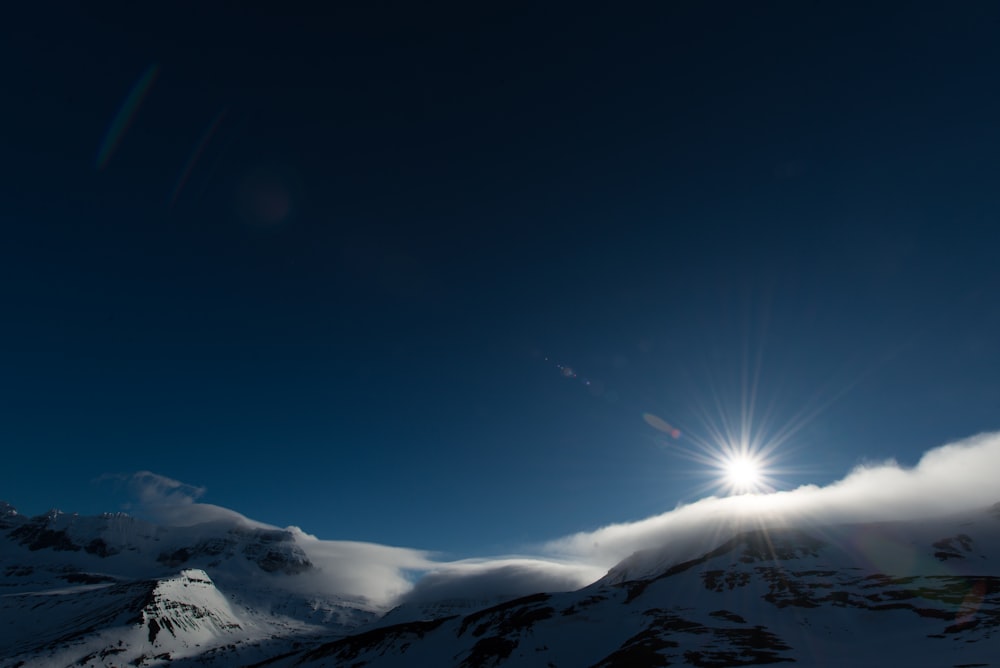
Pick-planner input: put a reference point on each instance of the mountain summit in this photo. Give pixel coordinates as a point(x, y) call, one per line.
point(116, 591)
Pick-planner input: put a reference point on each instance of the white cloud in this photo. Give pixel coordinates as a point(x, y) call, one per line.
point(175, 503)
point(376, 573)
point(952, 478)
point(948, 479)
point(371, 571)
point(380, 574)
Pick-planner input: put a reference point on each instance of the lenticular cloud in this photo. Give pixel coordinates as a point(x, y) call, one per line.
point(949, 479)
point(175, 503)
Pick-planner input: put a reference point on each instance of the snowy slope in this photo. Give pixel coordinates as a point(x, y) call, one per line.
point(135, 622)
point(915, 594)
point(111, 590)
point(115, 591)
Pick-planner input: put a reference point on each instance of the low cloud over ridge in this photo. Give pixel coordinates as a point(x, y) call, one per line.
point(948, 479)
point(488, 579)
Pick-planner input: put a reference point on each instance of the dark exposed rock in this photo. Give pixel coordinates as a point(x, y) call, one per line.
point(501, 611)
point(175, 558)
point(86, 578)
point(8, 516)
point(720, 646)
point(585, 603)
point(35, 536)
point(277, 562)
point(759, 545)
point(154, 629)
point(718, 580)
point(351, 647)
point(952, 548)
point(273, 551)
point(100, 548)
point(489, 651)
point(728, 616)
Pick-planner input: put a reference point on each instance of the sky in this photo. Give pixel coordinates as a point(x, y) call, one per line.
point(420, 276)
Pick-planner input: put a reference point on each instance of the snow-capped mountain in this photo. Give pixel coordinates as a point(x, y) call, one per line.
point(116, 591)
point(893, 593)
point(113, 589)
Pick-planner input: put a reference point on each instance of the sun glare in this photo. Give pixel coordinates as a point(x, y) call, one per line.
point(739, 449)
point(743, 474)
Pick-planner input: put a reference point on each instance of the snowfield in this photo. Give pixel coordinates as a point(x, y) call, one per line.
point(115, 591)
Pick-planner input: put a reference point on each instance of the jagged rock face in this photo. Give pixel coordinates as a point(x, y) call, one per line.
point(105, 590)
point(186, 606)
point(867, 595)
point(60, 532)
point(57, 621)
point(276, 551)
point(8, 515)
point(35, 535)
point(135, 623)
point(920, 593)
point(273, 551)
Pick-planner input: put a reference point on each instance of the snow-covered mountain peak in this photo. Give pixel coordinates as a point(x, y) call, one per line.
point(8, 515)
point(787, 540)
point(921, 593)
point(99, 588)
point(116, 590)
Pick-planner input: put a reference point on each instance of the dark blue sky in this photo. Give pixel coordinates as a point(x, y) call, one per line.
point(327, 264)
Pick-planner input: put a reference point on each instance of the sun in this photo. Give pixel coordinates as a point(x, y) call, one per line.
point(743, 473)
point(737, 466)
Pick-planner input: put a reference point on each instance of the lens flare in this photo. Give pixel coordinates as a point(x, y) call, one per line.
point(196, 155)
point(126, 114)
point(657, 422)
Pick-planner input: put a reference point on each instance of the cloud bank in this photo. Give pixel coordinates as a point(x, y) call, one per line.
point(376, 573)
point(353, 569)
point(952, 478)
point(949, 479)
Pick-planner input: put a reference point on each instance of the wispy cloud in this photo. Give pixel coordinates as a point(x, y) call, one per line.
point(175, 503)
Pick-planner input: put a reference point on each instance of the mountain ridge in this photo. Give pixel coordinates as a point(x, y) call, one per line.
point(918, 592)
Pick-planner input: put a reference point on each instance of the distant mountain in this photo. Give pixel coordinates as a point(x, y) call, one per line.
point(115, 591)
point(887, 594)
